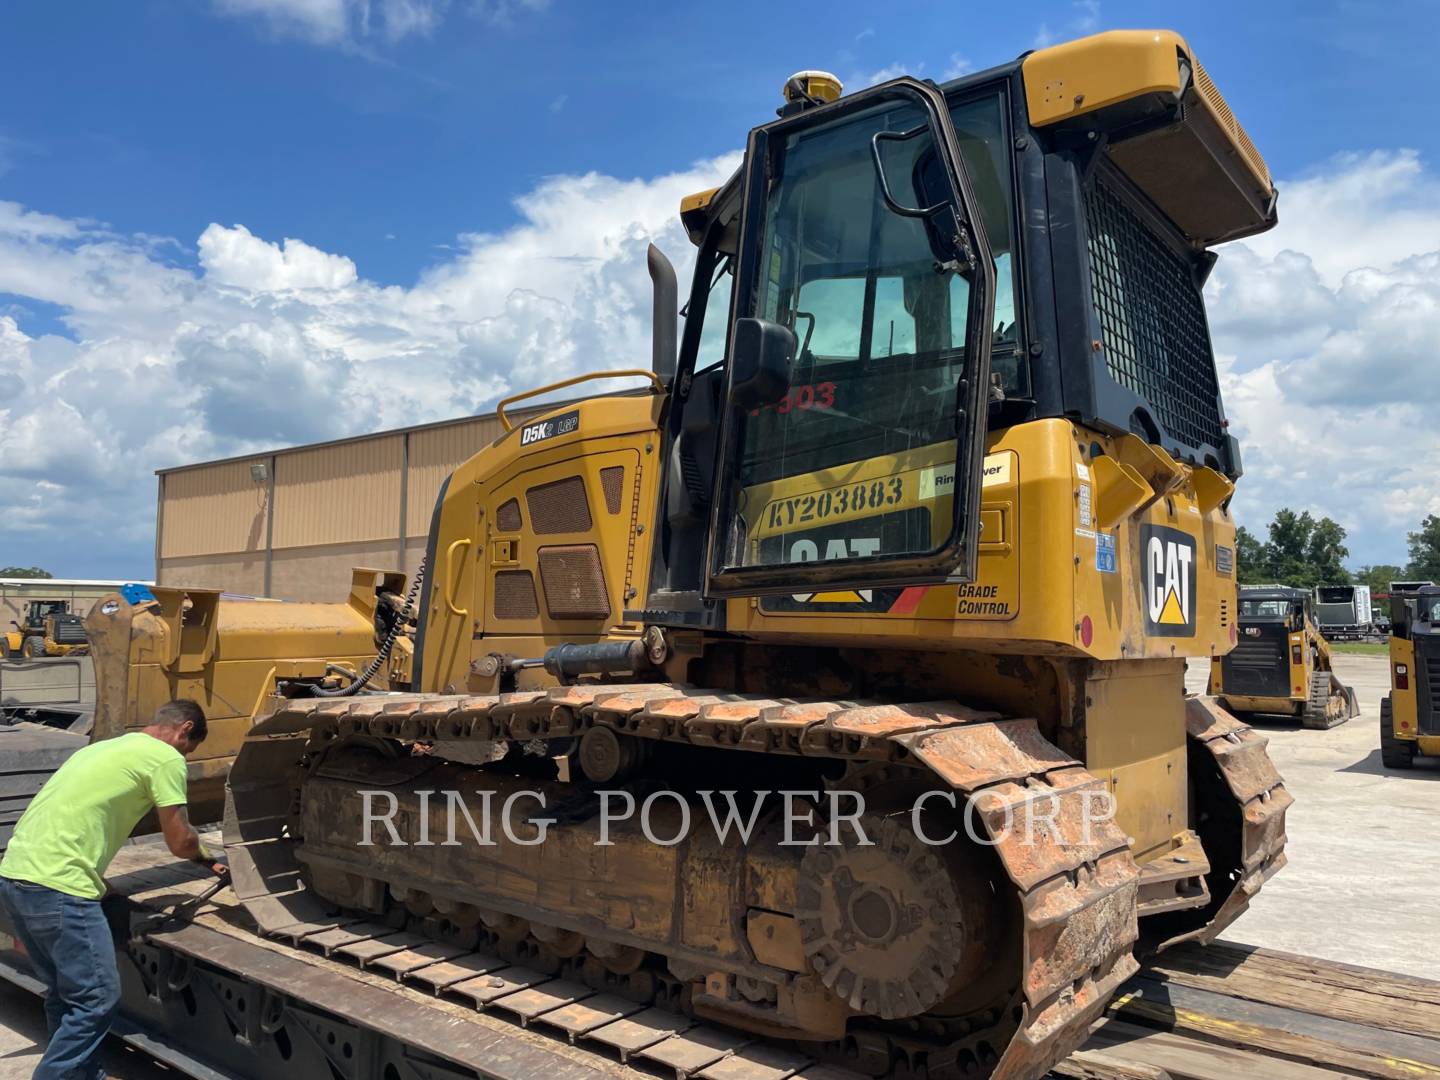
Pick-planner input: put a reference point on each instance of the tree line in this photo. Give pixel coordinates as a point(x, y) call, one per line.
point(1303, 551)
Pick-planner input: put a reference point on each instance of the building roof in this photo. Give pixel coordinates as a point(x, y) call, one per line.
point(514, 414)
point(49, 582)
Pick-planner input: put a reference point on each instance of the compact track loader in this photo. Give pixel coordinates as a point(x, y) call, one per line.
point(1410, 712)
point(1281, 662)
point(920, 519)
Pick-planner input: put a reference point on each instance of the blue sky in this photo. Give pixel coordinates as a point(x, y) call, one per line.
point(161, 117)
point(430, 162)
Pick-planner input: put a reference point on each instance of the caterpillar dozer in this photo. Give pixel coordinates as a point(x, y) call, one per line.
point(1410, 712)
point(924, 512)
point(1281, 663)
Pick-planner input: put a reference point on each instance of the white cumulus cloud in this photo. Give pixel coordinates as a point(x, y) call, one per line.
point(270, 343)
point(1327, 330)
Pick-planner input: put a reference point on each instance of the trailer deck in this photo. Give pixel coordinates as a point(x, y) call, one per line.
point(358, 999)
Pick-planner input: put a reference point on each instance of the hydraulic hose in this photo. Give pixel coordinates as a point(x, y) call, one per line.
point(373, 668)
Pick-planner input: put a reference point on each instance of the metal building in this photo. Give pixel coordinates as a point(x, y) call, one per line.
point(292, 523)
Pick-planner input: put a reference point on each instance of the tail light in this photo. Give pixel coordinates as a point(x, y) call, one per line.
point(1402, 677)
point(1295, 654)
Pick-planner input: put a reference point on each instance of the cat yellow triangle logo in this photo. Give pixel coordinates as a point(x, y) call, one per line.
point(1171, 614)
point(1169, 580)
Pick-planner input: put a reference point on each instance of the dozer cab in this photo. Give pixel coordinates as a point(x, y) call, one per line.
point(1281, 663)
point(1410, 712)
point(921, 518)
point(49, 629)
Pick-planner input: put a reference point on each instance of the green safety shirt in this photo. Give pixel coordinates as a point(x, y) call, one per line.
point(70, 832)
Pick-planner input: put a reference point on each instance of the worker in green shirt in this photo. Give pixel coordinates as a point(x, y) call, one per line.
point(51, 878)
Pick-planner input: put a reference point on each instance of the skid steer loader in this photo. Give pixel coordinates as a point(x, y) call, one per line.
point(1410, 712)
point(1281, 662)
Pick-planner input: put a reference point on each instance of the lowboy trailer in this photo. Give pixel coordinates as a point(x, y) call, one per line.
point(351, 999)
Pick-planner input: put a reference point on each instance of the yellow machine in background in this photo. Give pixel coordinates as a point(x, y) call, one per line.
point(230, 654)
point(1281, 662)
point(49, 630)
point(1410, 712)
point(931, 498)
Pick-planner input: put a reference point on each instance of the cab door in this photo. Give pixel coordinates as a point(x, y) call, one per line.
point(858, 368)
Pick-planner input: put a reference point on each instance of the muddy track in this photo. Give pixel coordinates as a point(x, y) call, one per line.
point(1077, 899)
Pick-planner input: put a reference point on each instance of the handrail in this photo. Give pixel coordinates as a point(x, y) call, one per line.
point(451, 581)
point(628, 373)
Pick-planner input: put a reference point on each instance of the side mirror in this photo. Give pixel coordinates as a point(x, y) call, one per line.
point(762, 355)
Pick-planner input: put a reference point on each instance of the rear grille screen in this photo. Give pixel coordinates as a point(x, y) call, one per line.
point(612, 481)
point(1429, 693)
point(559, 507)
point(515, 595)
point(574, 582)
point(508, 516)
point(1258, 666)
point(1152, 320)
point(69, 631)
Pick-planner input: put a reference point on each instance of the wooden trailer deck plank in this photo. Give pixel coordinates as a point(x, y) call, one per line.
point(1342, 992)
point(1220, 1012)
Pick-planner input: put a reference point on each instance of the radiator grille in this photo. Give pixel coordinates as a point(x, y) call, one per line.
point(612, 481)
point(574, 582)
point(1428, 692)
point(1152, 320)
point(507, 518)
point(1258, 666)
point(515, 595)
point(69, 630)
point(559, 507)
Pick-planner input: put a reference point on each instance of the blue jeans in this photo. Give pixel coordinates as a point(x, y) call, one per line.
point(73, 954)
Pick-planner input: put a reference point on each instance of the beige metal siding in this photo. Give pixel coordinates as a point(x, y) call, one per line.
point(338, 494)
point(215, 509)
point(323, 573)
point(336, 506)
point(434, 454)
point(242, 573)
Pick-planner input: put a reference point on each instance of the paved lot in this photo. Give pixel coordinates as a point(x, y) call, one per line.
point(1364, 844)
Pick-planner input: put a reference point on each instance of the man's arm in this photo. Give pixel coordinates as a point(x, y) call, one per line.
point(181, 837)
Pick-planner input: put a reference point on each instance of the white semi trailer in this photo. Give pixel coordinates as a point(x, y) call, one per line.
point(1343, 612)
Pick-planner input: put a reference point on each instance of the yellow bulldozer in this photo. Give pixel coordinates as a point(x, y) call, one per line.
point(1281, 663)
point(903, 555)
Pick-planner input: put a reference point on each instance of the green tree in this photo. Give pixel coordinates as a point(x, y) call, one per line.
point(1425, 551)
point(24, 571)
point(1301, 552)
point(1252, 565)
point(1288, 549)
point(1324, 553)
